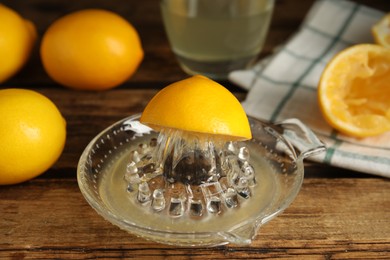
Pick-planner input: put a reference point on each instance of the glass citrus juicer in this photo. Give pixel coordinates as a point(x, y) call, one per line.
point(184, 178)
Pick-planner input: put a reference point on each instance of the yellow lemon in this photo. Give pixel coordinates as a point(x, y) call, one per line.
point(354, 91)
point(381, 31)
point(17, 38)
point(91, 49)
point(200, 105)
point(32, 135)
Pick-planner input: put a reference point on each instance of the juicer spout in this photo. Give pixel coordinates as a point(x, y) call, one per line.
point(242, 235)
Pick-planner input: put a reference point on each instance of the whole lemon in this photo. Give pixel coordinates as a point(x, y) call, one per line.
point(91, 49)
point(17, 38)
point(32, 135)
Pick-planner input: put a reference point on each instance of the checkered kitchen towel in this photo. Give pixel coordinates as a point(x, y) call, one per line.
point(284, 85)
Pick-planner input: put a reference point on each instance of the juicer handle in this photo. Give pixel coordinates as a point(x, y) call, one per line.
point(301, 137)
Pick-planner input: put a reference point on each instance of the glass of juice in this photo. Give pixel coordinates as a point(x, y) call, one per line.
point(215, 37)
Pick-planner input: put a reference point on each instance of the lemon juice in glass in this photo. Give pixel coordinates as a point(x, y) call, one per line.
point(215, 37)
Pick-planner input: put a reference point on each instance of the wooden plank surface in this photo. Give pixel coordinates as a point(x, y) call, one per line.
point(338, 214)
point(340, 218)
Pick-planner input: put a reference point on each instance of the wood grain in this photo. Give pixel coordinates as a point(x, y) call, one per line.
point(330, 219)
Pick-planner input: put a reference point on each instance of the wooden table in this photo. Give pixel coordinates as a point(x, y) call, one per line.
point(338, 214)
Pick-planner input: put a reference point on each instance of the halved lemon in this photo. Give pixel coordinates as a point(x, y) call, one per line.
point(354, 91)
point(381, 31)
point(199, 105)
